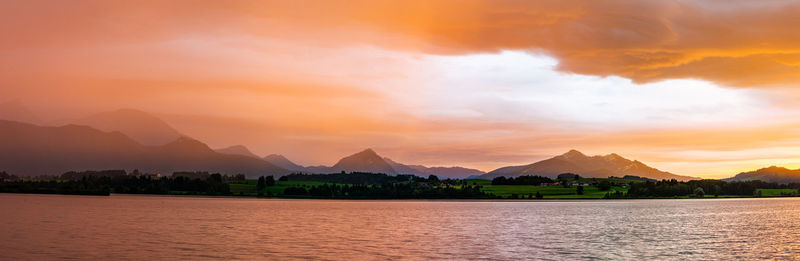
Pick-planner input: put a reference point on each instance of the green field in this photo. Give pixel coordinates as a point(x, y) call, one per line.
point(478, 181)
point(249, 187)
point(777, 192)
point(553, 192)
point(548, 191)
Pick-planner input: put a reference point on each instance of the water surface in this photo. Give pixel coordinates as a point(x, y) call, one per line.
point(168, 227)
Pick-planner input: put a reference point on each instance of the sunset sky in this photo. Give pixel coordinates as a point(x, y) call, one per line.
point(705, 89)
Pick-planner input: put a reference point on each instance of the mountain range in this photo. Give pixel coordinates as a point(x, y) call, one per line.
point(446, 172)
point(587, 166)
point(369, 161)
point(283, 162)
point(28, 149)
point(134, 139)
point(34, 150)
point(769, 174)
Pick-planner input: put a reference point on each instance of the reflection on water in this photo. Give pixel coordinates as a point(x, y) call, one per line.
point(155, 227)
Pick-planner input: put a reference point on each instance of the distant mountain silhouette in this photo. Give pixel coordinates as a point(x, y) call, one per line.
point(27, 149)
point(283, 162)
point(14, 110)
point(454, 172)
point(237, 150)
point(595, 166)
point(143, 127)
point(441, 172)
point(364, 161)
point(770, 174)
point(369, 161)
point(320, 169)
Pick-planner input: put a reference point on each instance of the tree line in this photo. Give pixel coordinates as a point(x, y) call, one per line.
point(117, 181)
point(697, 188)
point(397, 190)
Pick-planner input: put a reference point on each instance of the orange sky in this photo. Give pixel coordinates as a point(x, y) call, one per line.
point(696, 88)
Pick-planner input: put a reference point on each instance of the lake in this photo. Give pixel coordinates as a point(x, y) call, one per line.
point(128, 227)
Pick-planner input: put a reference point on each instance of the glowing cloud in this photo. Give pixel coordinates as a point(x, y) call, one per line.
point(473, 83)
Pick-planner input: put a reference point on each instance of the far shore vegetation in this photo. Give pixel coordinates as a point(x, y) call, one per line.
point(356, 185)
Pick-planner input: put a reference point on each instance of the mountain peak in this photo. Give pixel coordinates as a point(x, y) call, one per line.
point(595, 166)
point(183, 139)
point(187, 144)
point(769, 174)
point(573, 153)
point(613, 157)
point(275, 156)
point(775, 168)
point(366, 154)
point(364, 161)
point(368, 151)
point(283, 162)
point(237, 150)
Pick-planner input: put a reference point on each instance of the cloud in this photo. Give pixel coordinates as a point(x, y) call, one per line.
point(734, 44)
point(475, 83)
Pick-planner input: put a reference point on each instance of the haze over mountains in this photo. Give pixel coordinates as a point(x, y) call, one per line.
point(364, 161)
point(593, 167)
point(27, 149)
point(132, 139)
point(369, 161)
point(237, 150)
point(140, 126)
point(446, 172)
point(14, 110)
point(280, 160)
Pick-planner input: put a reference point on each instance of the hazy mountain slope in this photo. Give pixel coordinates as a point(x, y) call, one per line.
point(407, 169)
point(27, 149)
point(319, 169)
point(369, 161)
point(237, 150)
point(455, 172)
point(189, 154)
point(441, 172)
point(141, 126)
point(283, 162)
point(14, 110)
point(594, 166)
point(770, 174)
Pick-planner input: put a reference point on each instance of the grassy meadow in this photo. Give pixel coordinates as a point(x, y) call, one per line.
point(248, 188)
point(776, 192)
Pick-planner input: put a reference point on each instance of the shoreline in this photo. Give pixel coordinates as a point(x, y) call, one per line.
point(401, 199)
